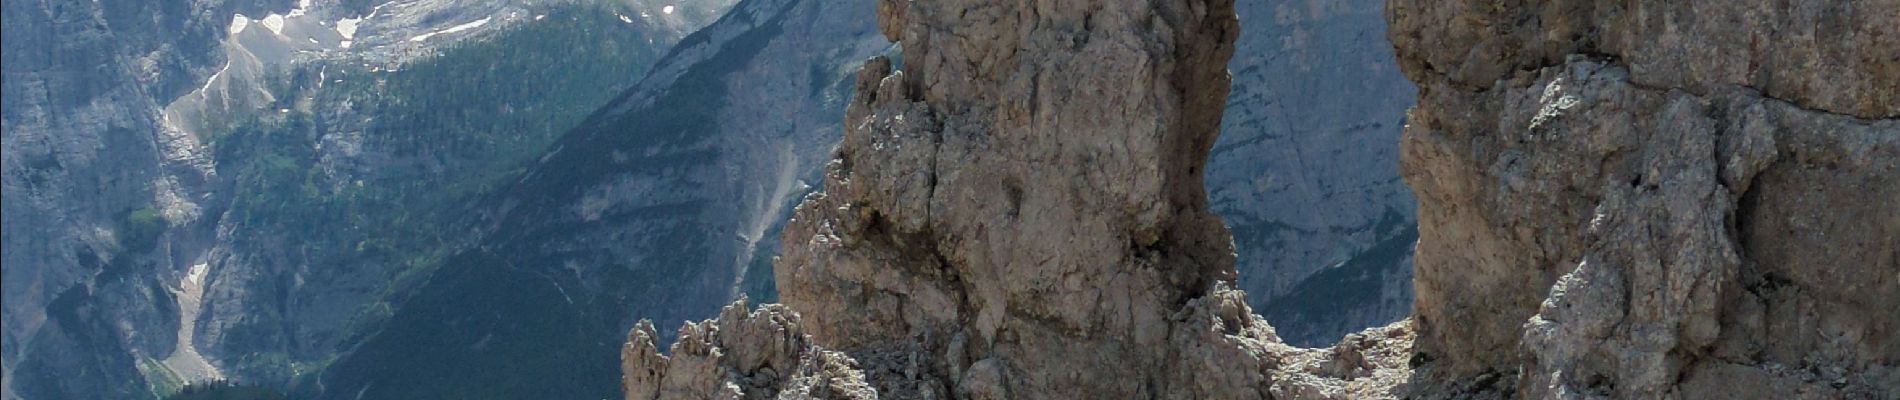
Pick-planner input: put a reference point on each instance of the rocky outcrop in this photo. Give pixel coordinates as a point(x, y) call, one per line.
point(977, 208)
point(776, 360)
point(1593, 224)
point(1655, 199)
point(1018, 213)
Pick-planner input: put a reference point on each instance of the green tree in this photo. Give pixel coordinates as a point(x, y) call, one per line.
point(139, 230)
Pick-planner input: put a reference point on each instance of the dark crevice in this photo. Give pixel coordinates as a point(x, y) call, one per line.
point(1013, 189)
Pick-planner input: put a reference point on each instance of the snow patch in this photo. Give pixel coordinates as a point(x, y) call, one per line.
point(347, 27)
point(206, 89)
point(197, 274)
point(377, 10)
point(238, 23)
point(275, 23)
point(452, 29)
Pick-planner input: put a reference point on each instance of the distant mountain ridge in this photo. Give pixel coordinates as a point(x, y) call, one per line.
point(654, 207)
point(205, 231)
point(335, 181)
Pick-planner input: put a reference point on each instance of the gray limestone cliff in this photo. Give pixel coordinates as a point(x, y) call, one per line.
point(1017, 212)
point(1633, 200)
point(92, 183)
point(1655, 199)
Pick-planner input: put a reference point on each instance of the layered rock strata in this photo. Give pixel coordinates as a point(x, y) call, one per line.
point(93, 177)
point(1017, 213)
point(1655, 199)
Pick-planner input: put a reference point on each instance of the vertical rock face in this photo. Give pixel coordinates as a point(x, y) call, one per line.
point(1024, 197)
point(92, 181)
point(1655, 199)
point(1018, 213)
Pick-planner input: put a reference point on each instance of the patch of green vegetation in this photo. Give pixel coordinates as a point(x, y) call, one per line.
point(267, 366)
point(139, 230)
point(224, 390)
point(158, 377)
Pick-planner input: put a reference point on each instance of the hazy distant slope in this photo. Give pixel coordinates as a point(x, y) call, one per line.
point(1306, 169)
point(650, 209)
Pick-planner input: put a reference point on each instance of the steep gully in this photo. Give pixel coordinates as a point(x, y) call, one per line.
point(766, 211)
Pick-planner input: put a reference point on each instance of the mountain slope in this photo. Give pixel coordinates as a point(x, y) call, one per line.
point(91, 185)
point(588, 222)
point(652, 208)
point(202, 190)
point(354, 188)
point(1306, 169)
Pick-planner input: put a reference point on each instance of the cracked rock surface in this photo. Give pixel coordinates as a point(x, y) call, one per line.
point(1654, 199)
point(1633, 200)
point(1019, 213)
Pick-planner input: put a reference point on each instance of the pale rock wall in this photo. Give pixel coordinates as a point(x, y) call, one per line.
point(1655, 199)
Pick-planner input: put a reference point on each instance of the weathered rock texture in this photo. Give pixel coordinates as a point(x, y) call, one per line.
point(83, 147)
point(983, 213)
point(1655, 199)
point(1022, 199)
point(777, 360)
point(1635, 200)
point(1018, 214)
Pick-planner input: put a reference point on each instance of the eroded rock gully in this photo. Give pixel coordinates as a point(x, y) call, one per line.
point(1634, 200)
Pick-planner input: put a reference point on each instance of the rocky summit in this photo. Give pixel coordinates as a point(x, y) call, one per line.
point(1631, 200)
